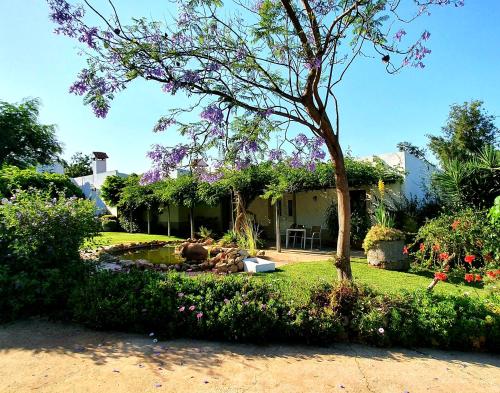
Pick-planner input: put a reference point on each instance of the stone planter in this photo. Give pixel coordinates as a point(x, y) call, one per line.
point(388, 255)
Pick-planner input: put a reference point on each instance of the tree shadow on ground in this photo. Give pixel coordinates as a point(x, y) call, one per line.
point(40, 336)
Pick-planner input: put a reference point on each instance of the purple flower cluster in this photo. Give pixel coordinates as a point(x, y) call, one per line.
point(313, 64)
point(213, 115)
point(164, 160)
point(399, 35)
point(276, 155)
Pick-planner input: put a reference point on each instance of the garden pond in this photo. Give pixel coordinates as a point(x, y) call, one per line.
point(159, 255)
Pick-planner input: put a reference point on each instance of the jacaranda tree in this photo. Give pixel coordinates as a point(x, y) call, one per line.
point(251, 68)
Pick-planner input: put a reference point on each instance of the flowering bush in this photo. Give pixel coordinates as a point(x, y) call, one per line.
point(39, 242)
point(241, 308)
point(466, 236)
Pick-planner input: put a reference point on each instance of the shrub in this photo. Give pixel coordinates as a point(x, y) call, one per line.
point(378, 234)
point(467, 232)
point(39, 250)
point(13, 178)
point(128, 223)
point(109, 223)
point(241, 308)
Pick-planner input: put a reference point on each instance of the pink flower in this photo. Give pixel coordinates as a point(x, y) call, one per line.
point(191, 308)
point(181, 309)
point(180, 294)
point(405, 250)
point(199, 315)
point(226, 301)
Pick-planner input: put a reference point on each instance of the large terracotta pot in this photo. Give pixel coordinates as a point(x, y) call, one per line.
point(388, 255)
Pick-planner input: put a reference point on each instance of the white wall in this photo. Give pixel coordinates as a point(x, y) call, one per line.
point(417, 173)
point(91, 185)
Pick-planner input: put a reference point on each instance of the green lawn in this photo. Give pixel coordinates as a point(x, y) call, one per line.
point(109, 238)
point(296, 280)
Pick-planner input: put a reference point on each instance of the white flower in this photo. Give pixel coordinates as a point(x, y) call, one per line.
point(5, 201)
point(381, 330)
point(151, 334)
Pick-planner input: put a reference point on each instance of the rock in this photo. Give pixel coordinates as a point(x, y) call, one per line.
point(163, 267)
point(241, 266)
point(194, 252)
point(208, 242)
point(127, 263)
point(261, 253)
point(221, 264)
point(243, 253)
point(233, 269)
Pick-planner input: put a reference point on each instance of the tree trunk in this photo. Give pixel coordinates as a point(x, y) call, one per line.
point(191, 221)
point(168, 220)
point(343, 258)
point(277, 228)
point(240, 213)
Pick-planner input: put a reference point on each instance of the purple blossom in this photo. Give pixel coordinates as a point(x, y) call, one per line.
point(301, 140)
point(426, 35)
point(169, 87)
point(313, 63)
point(212, 114)
point(211, 177)
point(276, 154)
point(191, 77)
point(400, 34)
point(213, 67)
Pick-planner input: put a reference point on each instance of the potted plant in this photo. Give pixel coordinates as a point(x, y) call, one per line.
point(383, 244)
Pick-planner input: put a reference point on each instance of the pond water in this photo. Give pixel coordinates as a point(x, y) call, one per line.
point(159, 255)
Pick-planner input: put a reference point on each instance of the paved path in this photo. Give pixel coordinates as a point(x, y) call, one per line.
point(37, 356)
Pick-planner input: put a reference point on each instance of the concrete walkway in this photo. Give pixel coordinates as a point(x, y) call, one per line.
point(295, 255)
point(47, 357)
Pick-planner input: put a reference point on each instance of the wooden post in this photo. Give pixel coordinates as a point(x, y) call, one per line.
point(149, 221)
point(191, 221)
point(168, 218)
point(277, 228)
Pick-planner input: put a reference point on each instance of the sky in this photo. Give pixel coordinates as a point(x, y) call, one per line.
point(377, 110)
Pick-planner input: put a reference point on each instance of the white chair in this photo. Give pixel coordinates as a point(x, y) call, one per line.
point(315, 234)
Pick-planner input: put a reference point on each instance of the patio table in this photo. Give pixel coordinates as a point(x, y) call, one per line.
point(299, 230)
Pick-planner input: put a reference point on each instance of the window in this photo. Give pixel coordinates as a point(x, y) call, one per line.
point(290, 208)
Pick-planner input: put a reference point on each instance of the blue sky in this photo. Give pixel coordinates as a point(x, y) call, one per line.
point(378, 110)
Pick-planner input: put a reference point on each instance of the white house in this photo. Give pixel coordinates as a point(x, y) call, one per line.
point(91, 184)
point(417, 173)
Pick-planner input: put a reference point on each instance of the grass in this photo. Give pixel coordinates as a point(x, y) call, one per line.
point(110, 238)
point(297, 280)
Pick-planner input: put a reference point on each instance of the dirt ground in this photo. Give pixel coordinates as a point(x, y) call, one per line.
point(47, 357)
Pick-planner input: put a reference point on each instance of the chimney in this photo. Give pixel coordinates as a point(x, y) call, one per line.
point(99, 162)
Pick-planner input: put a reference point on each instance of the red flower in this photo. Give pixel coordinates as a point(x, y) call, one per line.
point(469, 277)
point(436, 247)
point(444, 256)
point(469, 258)
point(422, 247)
point(440, 276)
point(405, 250)
point(478, 277)
point(455, 224)
point(491, 274)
